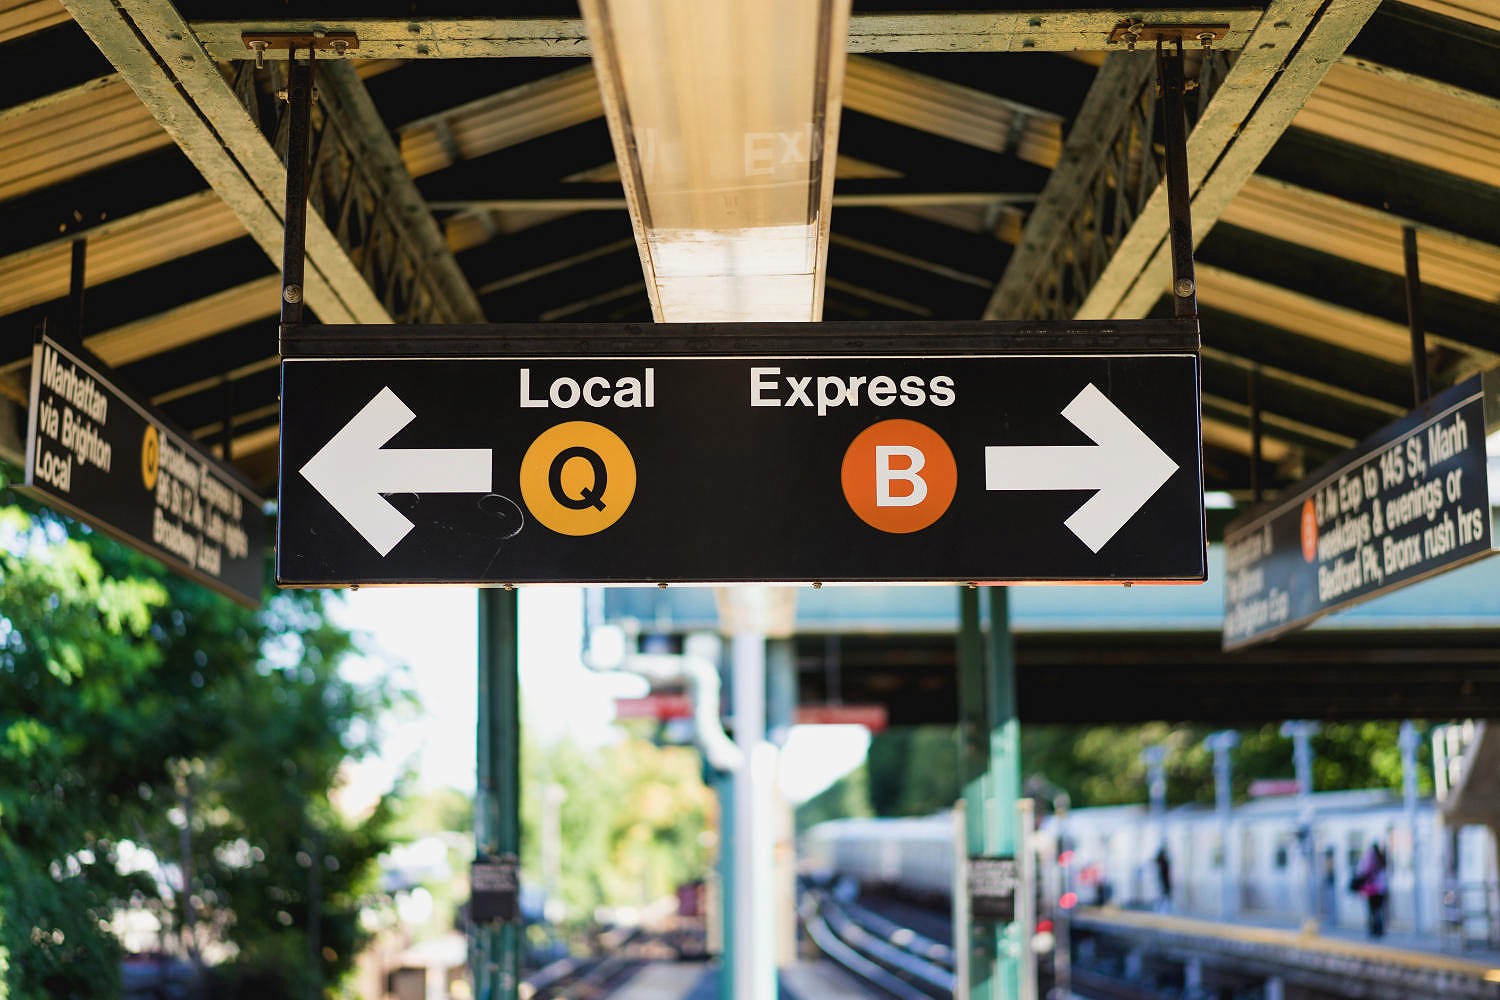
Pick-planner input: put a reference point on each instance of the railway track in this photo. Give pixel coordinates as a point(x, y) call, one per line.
point(876, 950)
point(620, 955)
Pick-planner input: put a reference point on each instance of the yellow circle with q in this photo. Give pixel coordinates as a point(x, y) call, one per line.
point(150, 456)
point(578, 478)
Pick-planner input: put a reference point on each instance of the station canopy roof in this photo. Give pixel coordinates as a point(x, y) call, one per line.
point(996, 160)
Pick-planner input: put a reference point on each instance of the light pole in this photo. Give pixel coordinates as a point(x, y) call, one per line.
point(1221, 743)
point(553, 796)
point(1409, 741)
point(1155, 759)
point(1301, 732)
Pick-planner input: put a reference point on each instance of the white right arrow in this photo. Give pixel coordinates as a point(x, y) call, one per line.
point(1123, 465)
point(352, 471)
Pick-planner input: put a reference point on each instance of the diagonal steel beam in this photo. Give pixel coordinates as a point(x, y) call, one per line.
point(1097, 244)
point(157, 54)
point(1043, 28)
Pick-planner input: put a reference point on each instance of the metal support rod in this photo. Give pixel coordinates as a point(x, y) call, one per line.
point(1169, 74)
point(494, 959)
point(77, 273)
point(299, 92)
point(1421, 388)
point(1257, 442)
point(226, 440)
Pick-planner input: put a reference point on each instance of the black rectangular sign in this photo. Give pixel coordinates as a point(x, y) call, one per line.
point(1409, 501)
point(495, 889)
point(110, 460)
point(650, 467)
point(993, 884)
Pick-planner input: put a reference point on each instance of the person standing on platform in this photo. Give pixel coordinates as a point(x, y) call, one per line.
point(1164, 876)
point(1370, 881)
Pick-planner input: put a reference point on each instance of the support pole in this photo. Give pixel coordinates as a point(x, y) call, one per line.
point(1257, 441)
point(494, 955)
point(77, 273)
point(299, 93)
point(990, 755)
point(728, 894)
point(781, 715)
point(1301, 732)
point(754, 923)
point(1409, 741)
point(1169, 76)
point(1421, 388)
point(1221, 743)
point(1155, 759)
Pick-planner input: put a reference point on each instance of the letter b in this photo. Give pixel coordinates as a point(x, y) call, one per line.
point(886, 472)
point(898, 476)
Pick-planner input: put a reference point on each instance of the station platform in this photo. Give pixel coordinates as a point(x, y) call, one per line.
point(1396, 965)
point(697, 981)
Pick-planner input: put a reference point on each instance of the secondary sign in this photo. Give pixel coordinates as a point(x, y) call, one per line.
point(1410, 501)
point(110, 460)
point(993, 884)
point(654, 467)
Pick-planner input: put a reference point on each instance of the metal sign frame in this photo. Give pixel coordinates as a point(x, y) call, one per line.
point(162, 494)
point(471, 415)
point(1404, 504)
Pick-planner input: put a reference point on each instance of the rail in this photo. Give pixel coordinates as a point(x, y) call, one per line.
point(585, 978)
point(872, 948)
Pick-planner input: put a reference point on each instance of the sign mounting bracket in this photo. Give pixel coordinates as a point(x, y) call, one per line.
point(299, 95)
point(1173, 82)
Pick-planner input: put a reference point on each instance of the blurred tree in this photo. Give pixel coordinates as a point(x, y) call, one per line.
point(848, 796)
point(1102, 765)
point(886, 762)
point(635, 822)
point(913, 771)
point(138, 709)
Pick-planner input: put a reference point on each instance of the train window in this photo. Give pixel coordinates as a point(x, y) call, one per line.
point(1282, 855)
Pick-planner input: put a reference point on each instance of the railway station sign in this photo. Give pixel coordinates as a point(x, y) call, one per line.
point(411, 460)
point(1410, 501)
point(993, 884)
point(108, 458)
point(495, 889)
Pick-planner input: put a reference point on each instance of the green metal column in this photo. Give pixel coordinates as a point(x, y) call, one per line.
point(723, 784)
point(990, 752)
point(494, 958)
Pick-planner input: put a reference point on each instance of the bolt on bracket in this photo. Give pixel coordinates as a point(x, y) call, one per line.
point(1135, 30)
point(261, 42)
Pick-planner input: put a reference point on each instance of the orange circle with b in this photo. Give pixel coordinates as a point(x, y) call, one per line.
point(1309, 531)
point(899, 476)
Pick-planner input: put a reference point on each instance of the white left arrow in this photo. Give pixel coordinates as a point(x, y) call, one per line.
point(1123, 465)
point(353, 470)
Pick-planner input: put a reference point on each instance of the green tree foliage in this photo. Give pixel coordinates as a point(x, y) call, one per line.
point(913, 771)
point(138, 709)
point(1102, 765)
point(634, 823)
point(848, 796)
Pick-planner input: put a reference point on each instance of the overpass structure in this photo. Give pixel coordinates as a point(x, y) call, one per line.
point(1120, 655)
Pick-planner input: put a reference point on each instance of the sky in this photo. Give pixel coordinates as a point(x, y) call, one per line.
point(428, 636)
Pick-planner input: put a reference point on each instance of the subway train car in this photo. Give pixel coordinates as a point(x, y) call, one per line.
point(1289, 861)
